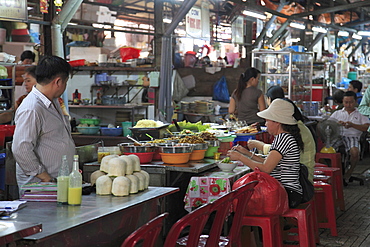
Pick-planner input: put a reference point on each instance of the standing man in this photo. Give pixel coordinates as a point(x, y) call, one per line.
point(356, 86)
point(43, 132)
point(354, 124)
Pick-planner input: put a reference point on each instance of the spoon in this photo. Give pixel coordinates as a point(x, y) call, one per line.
point(135, 141)
point(151, 137)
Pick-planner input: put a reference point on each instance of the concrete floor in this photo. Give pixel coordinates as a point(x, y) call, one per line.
point(353, 224)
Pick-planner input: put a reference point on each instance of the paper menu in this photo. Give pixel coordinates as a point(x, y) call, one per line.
point(11, 206)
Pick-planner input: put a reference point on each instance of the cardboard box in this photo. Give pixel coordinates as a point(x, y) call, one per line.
point(90, 54)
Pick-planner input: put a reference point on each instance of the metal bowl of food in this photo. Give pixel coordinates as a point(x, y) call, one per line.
point(200, 146)
point(131, 148)
point(213, 143)
point(177, 148)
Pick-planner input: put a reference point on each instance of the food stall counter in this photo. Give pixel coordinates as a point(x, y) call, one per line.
point(99, 221)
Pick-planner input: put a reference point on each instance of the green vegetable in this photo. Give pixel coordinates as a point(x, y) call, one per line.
point(226, 160)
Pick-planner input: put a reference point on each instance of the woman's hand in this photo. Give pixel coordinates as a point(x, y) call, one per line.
point(234, 155)
point(240, 149)
point(255, 144)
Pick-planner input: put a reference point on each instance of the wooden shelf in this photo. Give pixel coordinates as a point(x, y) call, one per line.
point(108, 106)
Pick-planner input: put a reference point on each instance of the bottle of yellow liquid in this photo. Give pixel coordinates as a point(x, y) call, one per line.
point(75, 184)
point(63, 182)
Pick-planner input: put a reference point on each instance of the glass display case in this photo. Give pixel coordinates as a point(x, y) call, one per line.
point(288, 69)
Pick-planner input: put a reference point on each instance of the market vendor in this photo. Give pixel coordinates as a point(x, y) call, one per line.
point(43, 133)
point(247, 99)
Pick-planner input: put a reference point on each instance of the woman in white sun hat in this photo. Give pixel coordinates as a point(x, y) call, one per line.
point(282, 162)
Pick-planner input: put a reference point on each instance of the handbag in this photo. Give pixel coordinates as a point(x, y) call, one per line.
point(308, 189)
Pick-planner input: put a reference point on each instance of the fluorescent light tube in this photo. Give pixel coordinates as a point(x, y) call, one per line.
point(167, 20)
point(254, 14)
point(343, 33)
point(356, 36)
point(297, 25)
point(319, 29)
point(364, 33)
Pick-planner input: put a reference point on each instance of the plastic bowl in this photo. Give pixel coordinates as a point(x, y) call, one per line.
point(105, 131)
point(131, 148)
point(77, 63)
point(227, 167)
point(210, 151)
point(90, 121)
point(88, 130)
point(144, 157)
point(197, 155)
point(175, 158)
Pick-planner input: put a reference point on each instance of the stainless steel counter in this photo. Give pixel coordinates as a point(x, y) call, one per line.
point(11, 231)
point(99, 221)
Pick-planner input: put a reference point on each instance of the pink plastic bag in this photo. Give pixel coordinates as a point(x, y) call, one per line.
point(269, 196)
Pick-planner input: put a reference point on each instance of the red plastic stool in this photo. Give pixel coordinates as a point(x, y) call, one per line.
point(320, 165)
point(324, 195)
point(337, 179)
point(271, 230)
point(323, 178)
point(303, 215)
point(335, 159)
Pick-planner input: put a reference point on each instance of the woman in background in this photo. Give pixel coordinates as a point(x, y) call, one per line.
point(247, 99)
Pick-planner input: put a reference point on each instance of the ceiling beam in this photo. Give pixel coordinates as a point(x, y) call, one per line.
point(317, 39)
point(333, 9)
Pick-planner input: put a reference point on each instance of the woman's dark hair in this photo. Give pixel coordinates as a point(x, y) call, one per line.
point(31, 70)
point(295, 132)
point(338, 96)
point(297, 113)
point(356, 84)
point(244, 78)
point(275, 92)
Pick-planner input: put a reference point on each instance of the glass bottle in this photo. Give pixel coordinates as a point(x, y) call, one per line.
point(76, 97)
point(75, 184)
point(62, 182)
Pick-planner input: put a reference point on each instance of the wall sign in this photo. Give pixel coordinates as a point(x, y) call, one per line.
point(193, 23)
point(13, 10)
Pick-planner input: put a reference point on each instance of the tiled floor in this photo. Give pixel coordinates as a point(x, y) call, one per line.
point(353, 224)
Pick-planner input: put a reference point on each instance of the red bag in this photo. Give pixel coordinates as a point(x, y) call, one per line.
point(129, 53)
point(269, 196)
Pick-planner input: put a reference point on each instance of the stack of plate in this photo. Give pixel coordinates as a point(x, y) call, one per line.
point(204, 107)
point(185, 106)
point(192, 107)
point(122, 116)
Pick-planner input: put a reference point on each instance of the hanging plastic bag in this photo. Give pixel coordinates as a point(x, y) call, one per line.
point(220, 91)
point(129, 53)
point(269, 196)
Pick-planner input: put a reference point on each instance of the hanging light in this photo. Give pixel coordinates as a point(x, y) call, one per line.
point(297, 25)
point(343, 33)
point(319, 29)
point(364, 33)
point(356, 36)
point(254, 14)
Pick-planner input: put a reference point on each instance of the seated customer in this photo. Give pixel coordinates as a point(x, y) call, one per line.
point(354, 124)
point(283, 161)
point(356, 86)
point(307, 156)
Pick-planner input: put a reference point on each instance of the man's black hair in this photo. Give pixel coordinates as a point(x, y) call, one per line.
point(350, 94)
point(28, 54)
point(356, 84)
point(50, 67)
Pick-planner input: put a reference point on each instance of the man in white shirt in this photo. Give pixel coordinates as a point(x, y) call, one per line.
point(354, 124)
point(43, 132)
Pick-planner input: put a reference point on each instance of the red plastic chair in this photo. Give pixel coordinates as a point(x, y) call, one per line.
point(198, 218)
point(146, 234)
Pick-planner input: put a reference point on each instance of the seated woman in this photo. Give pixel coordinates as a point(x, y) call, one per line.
point(308, 154)
point(283, 161)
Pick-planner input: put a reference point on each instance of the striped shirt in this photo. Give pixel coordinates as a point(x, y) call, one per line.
point(287, 170)
point(41, 138)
